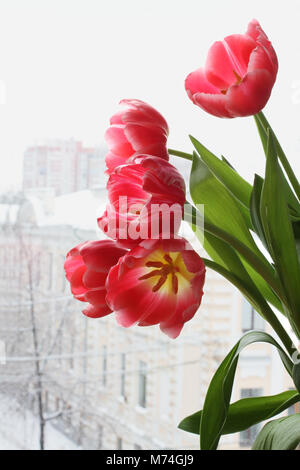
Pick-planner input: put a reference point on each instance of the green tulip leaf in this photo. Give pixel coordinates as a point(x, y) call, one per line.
point(279, 233)
point(222, 210)
point(255, 208)
point(237, 186)
point(279, 434)
point(216, 405)
point(263, 128)
point(246, 412)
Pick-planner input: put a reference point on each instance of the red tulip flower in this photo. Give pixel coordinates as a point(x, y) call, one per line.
point(238, 76)
point(87, 266)
point(158, 282)
point(136, 129)
point(146, 201)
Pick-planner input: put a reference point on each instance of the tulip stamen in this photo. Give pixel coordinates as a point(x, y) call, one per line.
point(154, 264)
point(168, 258)
point(174, 283)
point(156, 272)
point(160, 282)
point(163, 273)
point(238, 78)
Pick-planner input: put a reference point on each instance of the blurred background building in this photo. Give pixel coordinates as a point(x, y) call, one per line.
point(88, 383)
point(64, 165)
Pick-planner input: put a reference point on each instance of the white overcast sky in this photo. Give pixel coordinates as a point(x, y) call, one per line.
point(66, 64)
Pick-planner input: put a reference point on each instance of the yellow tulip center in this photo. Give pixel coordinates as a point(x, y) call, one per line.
point(170, 271)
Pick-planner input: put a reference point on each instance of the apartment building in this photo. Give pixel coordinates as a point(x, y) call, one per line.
point(65, 166)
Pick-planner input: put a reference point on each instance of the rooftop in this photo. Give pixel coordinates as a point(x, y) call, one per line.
point(79, 209)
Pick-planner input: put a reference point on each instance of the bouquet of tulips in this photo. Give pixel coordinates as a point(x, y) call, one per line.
point(147, 274)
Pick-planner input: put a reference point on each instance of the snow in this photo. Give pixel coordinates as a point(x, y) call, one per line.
point(79, 209)
point(19, 430)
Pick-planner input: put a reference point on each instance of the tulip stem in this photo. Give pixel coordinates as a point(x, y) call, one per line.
point(282, 157)
point(177, 153)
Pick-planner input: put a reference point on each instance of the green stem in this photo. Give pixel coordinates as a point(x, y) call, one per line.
point(177, 153)
point(282, 157)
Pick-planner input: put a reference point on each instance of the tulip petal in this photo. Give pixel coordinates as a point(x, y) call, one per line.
point(139, 112)
point(213, 104)
point(73, 262)
point(87, 266)
point(112, 161)
point(187, 306)
point(101, 255)
point(192, 261)
point(77, 287)
point(96, 312)
point(117, 141)
point(142, 136)
point(96, 297)
point(219, 66)
point(197, 82)
point(92, 279)
point(261, 59)
point(239, 47)
point(240, 100)
point(173, 331)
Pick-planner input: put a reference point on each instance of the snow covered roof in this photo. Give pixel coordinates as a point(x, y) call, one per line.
point(79, 209)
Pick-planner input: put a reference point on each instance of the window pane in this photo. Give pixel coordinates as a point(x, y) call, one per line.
point(259, 322)
point(251, 320)
point(248, 436)
point(246, 316)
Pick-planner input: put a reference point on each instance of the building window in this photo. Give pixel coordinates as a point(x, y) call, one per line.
point(104, 365)
point(119, 443)
point(294, 408)
point(248, 436)
point(142, 384)
point(251, 320)
point(123, 376)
